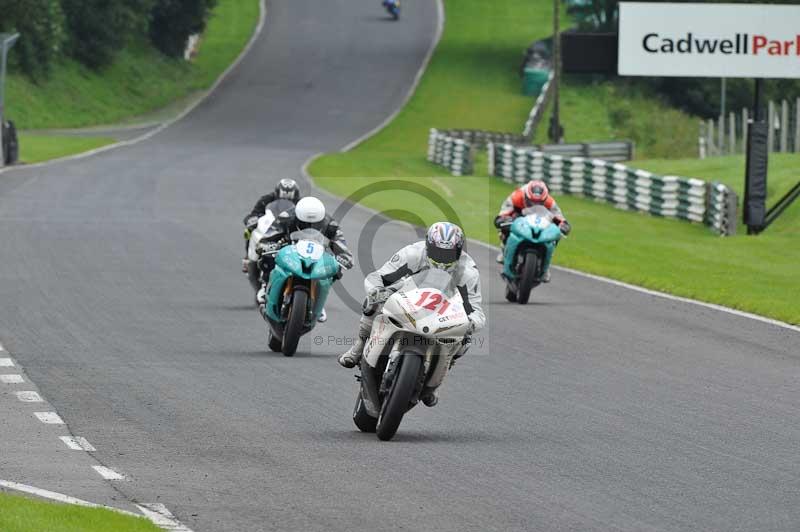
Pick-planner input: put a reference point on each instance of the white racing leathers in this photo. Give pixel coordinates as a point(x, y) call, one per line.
point(413, 259)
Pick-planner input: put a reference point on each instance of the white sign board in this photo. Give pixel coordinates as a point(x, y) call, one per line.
point(709, 40)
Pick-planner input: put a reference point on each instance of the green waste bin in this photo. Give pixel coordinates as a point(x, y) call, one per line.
point(533, 80)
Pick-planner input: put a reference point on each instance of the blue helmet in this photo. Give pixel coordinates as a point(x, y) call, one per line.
point(444, 244)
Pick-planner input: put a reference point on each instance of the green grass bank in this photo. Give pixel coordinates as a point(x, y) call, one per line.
point(19, 514)
point(472, 82)
point(140, 81)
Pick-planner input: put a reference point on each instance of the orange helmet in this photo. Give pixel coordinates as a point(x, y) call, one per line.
point(536, 191)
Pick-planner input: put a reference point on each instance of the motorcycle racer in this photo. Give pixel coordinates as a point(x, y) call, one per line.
point(309, 213)
point(284, 189)
point(526, 196)
point(443, 249)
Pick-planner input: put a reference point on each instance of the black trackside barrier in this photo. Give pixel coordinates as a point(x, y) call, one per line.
point(755, 198)
point(782, 205)
point(10, 143)
point(589, 53)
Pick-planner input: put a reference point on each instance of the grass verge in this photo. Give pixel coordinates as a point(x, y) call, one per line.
point(139, 81)
point(38, 148)
point(472, 82)
point(19, 514)
point(596, 110)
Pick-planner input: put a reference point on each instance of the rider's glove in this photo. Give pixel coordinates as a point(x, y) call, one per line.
point(379, 294)
point(565, 227)
point(267, 247)
point(500, 221)
point(345, 261)
point(251, 222)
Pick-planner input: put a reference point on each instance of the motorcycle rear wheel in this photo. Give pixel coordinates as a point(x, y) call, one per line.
point(527, 277)
point(396, 402)
point(295, 323)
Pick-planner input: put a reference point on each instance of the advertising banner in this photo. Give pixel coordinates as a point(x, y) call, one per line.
point(709, 40)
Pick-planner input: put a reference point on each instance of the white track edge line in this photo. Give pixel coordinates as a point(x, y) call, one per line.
point(77, 443)
point(131, 142)
point(664, 295)
point(49, 418)
point(440, 16)
point(12, 379)
point(29, 396)
point(58, 497)
point(108, 473)
point(6, 362)
point(157, 513)
point(160, 516)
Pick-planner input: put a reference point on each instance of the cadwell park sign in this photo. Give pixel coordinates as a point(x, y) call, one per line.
point(709, 40)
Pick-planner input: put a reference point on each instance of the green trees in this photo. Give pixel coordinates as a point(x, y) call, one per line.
point(93, 31)
point(99, 28)
point(41, 25)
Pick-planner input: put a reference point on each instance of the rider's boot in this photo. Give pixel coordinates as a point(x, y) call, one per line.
point(429, 397)
point(546, 276)
point(323, 316)
point(245, 263)
point(501, 256)
point(351, 357)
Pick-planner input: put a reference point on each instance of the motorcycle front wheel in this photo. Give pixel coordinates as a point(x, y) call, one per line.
point(396, 402)
point(527, 277)
point(295, 323)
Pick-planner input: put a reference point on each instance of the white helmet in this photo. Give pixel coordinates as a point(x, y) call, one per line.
point(310, 212)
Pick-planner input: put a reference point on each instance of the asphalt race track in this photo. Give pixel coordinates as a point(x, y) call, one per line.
point(592, 408)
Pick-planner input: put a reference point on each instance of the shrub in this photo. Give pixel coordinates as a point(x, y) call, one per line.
point(173, 21)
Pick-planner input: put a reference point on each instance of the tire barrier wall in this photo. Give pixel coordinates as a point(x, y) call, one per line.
point(712, 204)
point(454, 153)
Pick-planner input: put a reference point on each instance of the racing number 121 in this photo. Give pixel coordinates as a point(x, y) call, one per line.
point(434, 300)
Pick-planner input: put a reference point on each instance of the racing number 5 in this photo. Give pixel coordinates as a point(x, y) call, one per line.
point(434, 300)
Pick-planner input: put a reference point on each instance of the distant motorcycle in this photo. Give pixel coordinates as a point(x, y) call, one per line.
point(414, 339)
point(264, 228)
point(529, 249)
point(393, 7)
point(304, 271)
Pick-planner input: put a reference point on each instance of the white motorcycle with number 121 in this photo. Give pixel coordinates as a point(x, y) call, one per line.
point(419, 330)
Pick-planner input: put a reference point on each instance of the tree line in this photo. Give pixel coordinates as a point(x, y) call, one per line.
point(93, 31)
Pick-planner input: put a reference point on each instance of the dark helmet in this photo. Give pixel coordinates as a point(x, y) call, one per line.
point(287, 189)
point(444, 244)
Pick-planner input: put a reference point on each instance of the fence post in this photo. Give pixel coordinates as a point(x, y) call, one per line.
point(771, 127)
point(721, 135)
point(784, 125)
point(731, 133)
point(745, 126)
point(710, 138)
point(797, 125)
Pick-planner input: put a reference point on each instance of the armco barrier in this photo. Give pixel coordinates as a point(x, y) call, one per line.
point(614, 151)
point(537, 112)
point(694, 200)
